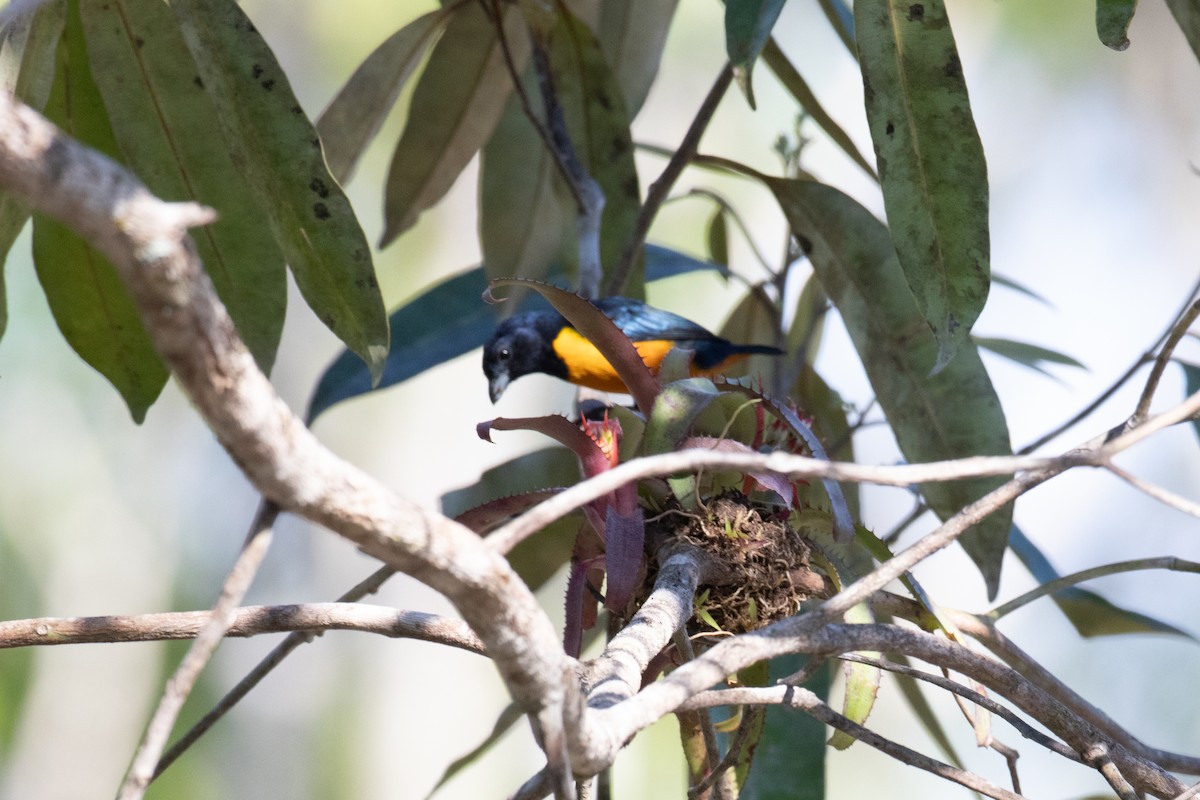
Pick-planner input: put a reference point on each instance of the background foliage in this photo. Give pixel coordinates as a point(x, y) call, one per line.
point(1089, 186)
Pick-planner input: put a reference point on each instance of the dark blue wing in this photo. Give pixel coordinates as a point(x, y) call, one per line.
point(643, 323)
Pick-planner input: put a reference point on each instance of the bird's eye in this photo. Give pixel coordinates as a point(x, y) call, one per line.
point(504, 354)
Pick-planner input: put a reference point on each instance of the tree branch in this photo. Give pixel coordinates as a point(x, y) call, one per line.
point(247, 621)
point(804, 700)
point(146, 239)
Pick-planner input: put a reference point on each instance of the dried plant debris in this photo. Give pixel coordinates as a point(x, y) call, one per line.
point(760, 564)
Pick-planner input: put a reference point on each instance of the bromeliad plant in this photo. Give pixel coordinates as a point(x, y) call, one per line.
point(769, 544)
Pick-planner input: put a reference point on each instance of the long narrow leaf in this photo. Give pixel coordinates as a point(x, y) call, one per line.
point(794, 82)
point(455, 107)
point(1187, 17)
point(953, 414)
point(598, 123)
point(442, 323)
point(632, 35)
point(525, 211)
point(748, 25)
point(354, 116)
point(1089, 613)
point(166, 126)
point(91, 305)
point(28, 46)
point(931, 162)
point(271, 139)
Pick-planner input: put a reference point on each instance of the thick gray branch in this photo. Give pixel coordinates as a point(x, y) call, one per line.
point(146, 239)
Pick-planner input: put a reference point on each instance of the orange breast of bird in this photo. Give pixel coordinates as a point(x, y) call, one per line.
point(587, 367)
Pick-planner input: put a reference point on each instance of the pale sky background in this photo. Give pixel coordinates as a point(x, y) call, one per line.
point(1091, 158)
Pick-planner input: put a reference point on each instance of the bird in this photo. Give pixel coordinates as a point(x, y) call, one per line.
point(544, 341)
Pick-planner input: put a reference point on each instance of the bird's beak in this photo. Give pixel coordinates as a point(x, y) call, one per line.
point(497, 385)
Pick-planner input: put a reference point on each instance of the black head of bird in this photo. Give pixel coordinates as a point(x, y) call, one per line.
point(522, 344)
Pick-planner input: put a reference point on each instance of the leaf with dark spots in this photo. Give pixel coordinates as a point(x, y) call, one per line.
point(274, 149)
point(953, 414)
point(931, 162)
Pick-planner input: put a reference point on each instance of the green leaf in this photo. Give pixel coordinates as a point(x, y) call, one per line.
point(931, 162)
point(455, 107)
point(828, 411)
point(862, 683)
point(1112, 22)
point(675, 409)
point(748, 25)
point(274, 144)
point(90, 303)
point(1089, 613)
point(718, 237)
point(28, 47)
point(789, 762)
point(755, 320)
point(1026, 354)
point(663, 262)
point(1019, 288)
point(1191, 374)
point(166, 126)
point(20, 598)
point(953, 414)
point(440, 324)
point(1187, 17)
point(632, 35)
point(598, 124)
point(524, 206)
point(794, 82)
point(354, 116)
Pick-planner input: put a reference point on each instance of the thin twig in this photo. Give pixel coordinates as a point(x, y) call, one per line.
point(1002, 711)
point(808, 702)
point(308, 619)
point(1164, 496)
point(291, 642)
point(1120, 381)
point(141, 771)
point(662, 187)
point(1177, 333)
point(1057, 585)
point(495, 11)
point(587, 192)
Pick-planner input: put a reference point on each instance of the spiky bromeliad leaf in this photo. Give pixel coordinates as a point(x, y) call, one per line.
point(931, 162)
point(91, 305)
point(166, 126)
point(270, 137)
point(953, 414)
